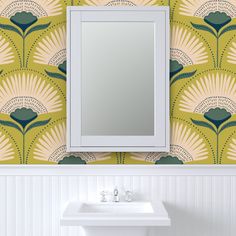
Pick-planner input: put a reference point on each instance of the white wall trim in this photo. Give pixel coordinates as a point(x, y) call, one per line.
point(117, 170)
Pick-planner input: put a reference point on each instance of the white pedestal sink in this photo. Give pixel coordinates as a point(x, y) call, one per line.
point(115, 219)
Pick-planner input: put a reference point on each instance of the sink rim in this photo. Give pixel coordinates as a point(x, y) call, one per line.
point(140, 208)
point(72, 217)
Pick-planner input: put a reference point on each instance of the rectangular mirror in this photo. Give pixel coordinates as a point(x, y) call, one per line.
point(118, 80)
point(117, 83)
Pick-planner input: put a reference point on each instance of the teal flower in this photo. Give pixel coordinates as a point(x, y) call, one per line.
point(62, 67)
point(39, 8)
point(24, 14)
point(169, 160)
point(217, 20)
point(23, 116)
point(23, 20)
point(70, 160)
point(216, 14)
point(217, 116)
point(175, 67)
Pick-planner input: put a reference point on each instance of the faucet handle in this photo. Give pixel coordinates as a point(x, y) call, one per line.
point(103, 196)
point(116, 192)
point(116, 195)
point(128, 196)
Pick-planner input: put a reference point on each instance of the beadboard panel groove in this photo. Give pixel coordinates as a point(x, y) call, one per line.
point(197, 205)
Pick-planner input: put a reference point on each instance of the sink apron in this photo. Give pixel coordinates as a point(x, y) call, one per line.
point(115, 231)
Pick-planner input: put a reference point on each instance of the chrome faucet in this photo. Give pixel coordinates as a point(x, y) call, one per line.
point(116, 195)
point(103, 196)
point(128, 196)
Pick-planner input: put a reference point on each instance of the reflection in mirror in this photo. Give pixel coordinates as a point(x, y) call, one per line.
point(117, 78)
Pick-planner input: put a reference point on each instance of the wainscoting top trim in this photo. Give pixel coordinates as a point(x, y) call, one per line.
point(117, 170)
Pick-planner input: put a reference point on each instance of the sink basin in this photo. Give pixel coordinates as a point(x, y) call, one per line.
point(110, 214)
point(116, 208)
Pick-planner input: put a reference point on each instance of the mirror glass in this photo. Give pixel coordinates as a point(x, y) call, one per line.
point(117, 78)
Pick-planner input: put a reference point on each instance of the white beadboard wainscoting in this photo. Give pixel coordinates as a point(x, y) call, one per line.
point(201, 200)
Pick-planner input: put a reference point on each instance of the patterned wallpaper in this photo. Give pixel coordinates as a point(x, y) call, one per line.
point(33, 83)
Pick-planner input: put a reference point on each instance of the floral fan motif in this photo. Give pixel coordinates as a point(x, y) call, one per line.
point(6, 150)
point(231, 154)
point(23, 16)
point(51, 50)
point(52, 147)
point(37, 8)
point(231, 58)
point(186, 146)
point(208, 92)
point(186, 49)
point(216, 16)
point(213, 96)
point(28, 91)
point(121, 2)
point(202, 8)
point(6, 54)
point(24, 97)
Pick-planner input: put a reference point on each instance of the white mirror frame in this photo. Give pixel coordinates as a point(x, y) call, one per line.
point(159, 142)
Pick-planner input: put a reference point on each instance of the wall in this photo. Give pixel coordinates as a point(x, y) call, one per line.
point(33, 74)
point(200, 201)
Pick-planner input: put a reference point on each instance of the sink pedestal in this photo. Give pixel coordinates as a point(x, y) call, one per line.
point(115, 231)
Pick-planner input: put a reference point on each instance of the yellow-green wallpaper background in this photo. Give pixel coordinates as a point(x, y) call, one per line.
point(33, 83)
